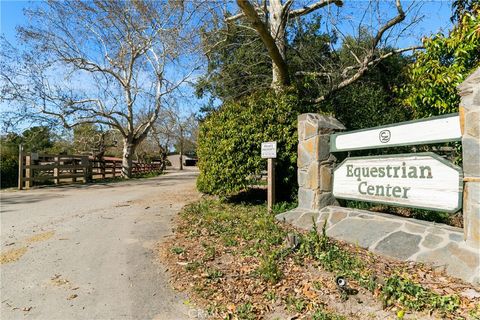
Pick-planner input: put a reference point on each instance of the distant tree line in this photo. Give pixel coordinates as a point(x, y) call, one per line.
point(179, 135)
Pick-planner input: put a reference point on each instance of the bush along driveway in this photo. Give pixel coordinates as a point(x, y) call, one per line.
point(237, 262)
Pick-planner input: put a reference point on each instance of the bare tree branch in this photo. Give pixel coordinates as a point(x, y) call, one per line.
point(235, 17)
point(361, 69)
point(315, 6)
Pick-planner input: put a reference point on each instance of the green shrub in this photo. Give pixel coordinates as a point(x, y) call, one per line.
point(230, 141)
point(448, 59)
point(8, 172)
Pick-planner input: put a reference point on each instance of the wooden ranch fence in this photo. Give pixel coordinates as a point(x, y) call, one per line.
point(34, 167)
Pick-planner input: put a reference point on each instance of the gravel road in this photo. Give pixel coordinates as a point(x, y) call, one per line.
point(87, 251)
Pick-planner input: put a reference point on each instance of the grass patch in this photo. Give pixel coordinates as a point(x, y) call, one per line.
point(334, 258)
point(269, 268)
point(235, 224)
point(239, 254)
point(177, 250)
point(284, 206)
point(397, 290)
point(245, 312)
point(413, 296)
point(321, 314)
point(214, 274)
point(295, 304)
point(193, 266)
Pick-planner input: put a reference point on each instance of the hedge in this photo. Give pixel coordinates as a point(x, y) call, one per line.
point(230, 140)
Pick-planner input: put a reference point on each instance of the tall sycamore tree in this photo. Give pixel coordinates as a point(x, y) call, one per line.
point(109, 63)
point(270, 19)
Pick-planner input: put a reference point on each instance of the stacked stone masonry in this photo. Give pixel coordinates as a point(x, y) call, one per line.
point(315, 163)
point(440, 245)
point(469, 91)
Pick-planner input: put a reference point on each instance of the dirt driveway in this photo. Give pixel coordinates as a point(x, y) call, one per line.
point(87, 251)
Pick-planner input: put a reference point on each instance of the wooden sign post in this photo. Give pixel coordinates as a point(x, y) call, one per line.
point(20, 167)
point(421, 180)
point(269, 151)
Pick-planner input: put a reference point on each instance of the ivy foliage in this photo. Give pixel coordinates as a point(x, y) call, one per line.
point(432, 80)
point(230, 142)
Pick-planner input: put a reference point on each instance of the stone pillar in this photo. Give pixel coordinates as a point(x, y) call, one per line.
point(315, 162)
point(469, 91)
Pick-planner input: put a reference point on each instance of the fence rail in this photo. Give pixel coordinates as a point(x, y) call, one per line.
point(72, 168)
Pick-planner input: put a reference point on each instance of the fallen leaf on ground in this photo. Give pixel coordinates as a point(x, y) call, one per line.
point(58, 281)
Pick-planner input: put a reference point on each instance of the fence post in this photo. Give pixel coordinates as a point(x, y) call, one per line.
point(114, 168)
point(56, 170)
point(74, 171)
point(28, 171)
point(469, 91)
point(86, 170)
point(101, 162)
point(315, 162)
point(270, 183)
point(20, 167)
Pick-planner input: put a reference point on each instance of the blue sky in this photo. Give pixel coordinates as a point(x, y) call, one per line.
point(11, 15)
point(436, 18)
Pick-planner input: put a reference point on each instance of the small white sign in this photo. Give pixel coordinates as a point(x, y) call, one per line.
point(269, 149)
point(425, 131)
point(423, 180)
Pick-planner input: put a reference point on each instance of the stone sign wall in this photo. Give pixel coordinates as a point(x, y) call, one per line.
point(469, 91)
point(399, 237)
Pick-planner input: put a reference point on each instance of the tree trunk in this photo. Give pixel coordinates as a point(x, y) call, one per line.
point(277, 22)
point(181, 160)
point(273, 37)
point(181, 148)
point(127, 160)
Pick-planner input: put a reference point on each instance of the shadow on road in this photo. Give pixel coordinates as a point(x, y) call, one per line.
point(40, 193)
point(24, 198)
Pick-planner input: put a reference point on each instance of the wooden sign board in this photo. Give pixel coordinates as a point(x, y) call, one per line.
point(422, 180)
point(269, 149)
point(432, 130)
